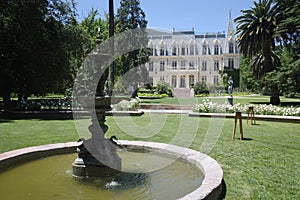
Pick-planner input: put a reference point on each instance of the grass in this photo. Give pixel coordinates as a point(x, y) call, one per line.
point(264, 166)
point(17, 134)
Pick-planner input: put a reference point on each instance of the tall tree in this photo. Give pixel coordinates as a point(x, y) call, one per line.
point(288, 31)
point(40, 42)
point(130, 16)
point(255, 30)
point(89, 25)
point(288, 35)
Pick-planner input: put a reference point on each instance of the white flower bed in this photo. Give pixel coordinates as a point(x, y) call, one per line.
point(260, 109)
point(126, 105)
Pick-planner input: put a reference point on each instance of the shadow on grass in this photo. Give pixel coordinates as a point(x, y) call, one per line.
point(8, 117)
point(256, 124)
point(224, 190)
point(253, 124)
point(5, 121)
point(283, 104)
point(246, 139)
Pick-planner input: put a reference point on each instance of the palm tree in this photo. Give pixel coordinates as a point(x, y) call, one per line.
point(255, 30)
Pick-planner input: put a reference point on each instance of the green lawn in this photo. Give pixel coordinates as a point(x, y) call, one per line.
point(265, 166)
point(16, 134)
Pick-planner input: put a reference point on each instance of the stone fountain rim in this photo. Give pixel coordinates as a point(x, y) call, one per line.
point(210, 188)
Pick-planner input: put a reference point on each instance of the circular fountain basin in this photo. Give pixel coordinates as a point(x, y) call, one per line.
point(193, 176)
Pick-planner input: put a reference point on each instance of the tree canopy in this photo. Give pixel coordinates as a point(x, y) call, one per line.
point(260, 30)
point(130, 16)
point(40, 49)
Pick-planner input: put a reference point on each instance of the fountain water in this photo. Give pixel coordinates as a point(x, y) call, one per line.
point(193, 176)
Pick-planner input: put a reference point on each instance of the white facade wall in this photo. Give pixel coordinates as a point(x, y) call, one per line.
point(184, 58)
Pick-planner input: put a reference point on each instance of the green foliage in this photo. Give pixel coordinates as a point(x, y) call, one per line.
point(234, 74)
point(258, 29)
point(289, 77)
point(89, 27)
point(248, 79)
point(288, 30)
point(288, 35)
point(91, 64)
point(255, 29)
point(40, 47)
point(163, 87)
point(201, 88)
point(144, 95)
point(130, 16)
point(256, 37)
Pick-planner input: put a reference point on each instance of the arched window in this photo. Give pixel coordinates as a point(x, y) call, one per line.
point(192, 64)
point(174, 51)
point(182, 81)
point(191, 80)
point(192, 51)
point(236, 49)
point(183, 50)
point(230, 63)
point(162, 66)
point(162, 50)
point(166, 50)
point(151, 48)
point(174, 81)
point(231, 47)
point(204, 50)
point(150, 66)
point(204, 65)
point(216, 50)
point(155, 52)
point(216, 80)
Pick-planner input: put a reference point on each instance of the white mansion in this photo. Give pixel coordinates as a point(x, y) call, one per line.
point(183, 58)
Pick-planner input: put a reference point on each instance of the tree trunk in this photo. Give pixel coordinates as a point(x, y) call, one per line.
point(135, 93)
point(274, 100)
point(6, 102)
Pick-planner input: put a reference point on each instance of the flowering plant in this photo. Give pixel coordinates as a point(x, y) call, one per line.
point(260, 109)
point(43, 104)
point(126, 105)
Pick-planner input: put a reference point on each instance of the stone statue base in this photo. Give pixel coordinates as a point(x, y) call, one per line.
point(96, 169)
point(230, 101)
point(93, 163)
point(97, 156)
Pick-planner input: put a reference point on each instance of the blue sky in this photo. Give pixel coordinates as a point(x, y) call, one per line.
point(203, 15)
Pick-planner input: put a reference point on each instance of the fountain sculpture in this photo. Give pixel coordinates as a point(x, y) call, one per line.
point(97, 156)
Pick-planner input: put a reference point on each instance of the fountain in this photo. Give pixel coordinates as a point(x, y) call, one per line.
point(97, 156)
point(34, 173)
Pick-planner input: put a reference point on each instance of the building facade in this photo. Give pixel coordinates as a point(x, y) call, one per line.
point(183, 58)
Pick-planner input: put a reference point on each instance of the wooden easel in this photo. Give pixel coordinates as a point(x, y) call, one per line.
point(251, 115)
point(238, 116)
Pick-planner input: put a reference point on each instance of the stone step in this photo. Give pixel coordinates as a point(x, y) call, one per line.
point(182, 92)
